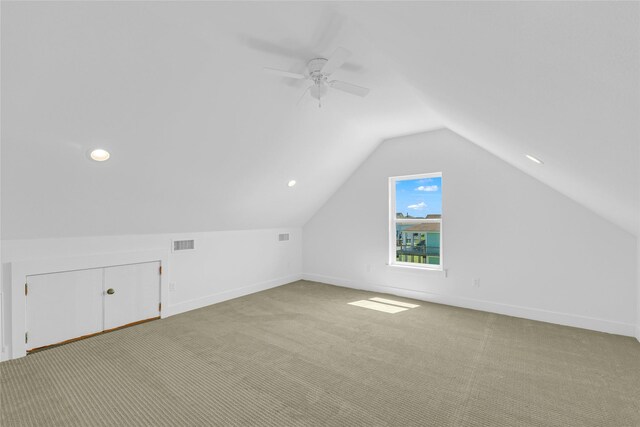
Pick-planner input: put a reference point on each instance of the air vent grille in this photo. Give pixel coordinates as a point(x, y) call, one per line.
point(283, 237)
point(184, 245)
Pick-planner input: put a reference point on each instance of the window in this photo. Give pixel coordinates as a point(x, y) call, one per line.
point(415, 221)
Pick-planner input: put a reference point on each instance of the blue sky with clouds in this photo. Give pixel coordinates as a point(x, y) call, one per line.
point(419, 197)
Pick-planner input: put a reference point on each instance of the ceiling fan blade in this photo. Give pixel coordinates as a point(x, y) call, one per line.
point(283, 73)
point(296, 52)
point(349, 88)
point(337, 59)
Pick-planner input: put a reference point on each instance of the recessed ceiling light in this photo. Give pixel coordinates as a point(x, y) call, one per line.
point(535, 159)
point(99, 155)
point(291, 183)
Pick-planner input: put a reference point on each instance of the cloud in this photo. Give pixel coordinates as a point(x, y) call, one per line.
point(418, 206)
point(427, 188)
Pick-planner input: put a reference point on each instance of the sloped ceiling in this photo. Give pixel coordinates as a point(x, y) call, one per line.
point(202, 139)
point(557, 80)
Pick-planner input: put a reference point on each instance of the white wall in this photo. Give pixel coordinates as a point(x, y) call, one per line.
point(225, 264)
point(537, 253)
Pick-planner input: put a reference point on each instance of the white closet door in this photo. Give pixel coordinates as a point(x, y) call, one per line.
point(62, 306)
point(131, 293)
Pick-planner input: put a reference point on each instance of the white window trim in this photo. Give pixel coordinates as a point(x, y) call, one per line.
point(392, 225)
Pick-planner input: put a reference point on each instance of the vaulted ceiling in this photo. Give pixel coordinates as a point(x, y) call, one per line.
point(201, 139)
point(557, 80)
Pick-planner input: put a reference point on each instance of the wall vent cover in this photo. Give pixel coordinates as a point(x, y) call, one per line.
point(283, 237)
point(184, 245)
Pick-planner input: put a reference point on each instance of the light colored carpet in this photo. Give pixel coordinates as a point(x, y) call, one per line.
point(299, 355)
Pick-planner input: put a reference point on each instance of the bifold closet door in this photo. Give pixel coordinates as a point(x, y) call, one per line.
point(63, 306)
point(131, 293)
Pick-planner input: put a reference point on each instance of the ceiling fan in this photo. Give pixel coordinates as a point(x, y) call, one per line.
point(318, 72)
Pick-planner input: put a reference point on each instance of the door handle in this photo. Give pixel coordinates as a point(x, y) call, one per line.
point(110, 291)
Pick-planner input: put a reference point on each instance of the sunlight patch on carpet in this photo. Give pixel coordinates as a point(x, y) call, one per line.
point(377, 306)
point(394, 302)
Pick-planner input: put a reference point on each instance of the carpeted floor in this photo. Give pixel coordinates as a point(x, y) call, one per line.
point(299, 355)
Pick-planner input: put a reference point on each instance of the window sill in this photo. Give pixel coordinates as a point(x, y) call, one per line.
point(417, 267)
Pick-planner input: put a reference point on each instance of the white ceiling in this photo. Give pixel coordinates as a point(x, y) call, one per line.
point(558, 80)
point(202, 139)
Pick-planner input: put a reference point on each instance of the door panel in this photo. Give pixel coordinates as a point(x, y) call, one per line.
point(62, 306)
point(136, 293)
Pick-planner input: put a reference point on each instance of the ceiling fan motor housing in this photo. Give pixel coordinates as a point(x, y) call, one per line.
point(315, 69)
point(315, 66)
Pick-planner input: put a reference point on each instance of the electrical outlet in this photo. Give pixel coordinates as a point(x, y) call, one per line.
point(172, 287)
point(476, 283)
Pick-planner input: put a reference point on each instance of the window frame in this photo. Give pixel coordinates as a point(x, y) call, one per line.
point(393, 220)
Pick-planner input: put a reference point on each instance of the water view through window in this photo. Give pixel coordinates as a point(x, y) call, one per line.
point(418, 217)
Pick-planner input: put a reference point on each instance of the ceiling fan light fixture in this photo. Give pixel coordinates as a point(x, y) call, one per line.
point(317, 91)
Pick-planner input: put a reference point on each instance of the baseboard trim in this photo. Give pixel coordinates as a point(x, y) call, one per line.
point(559, 318)
point(228, 295)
